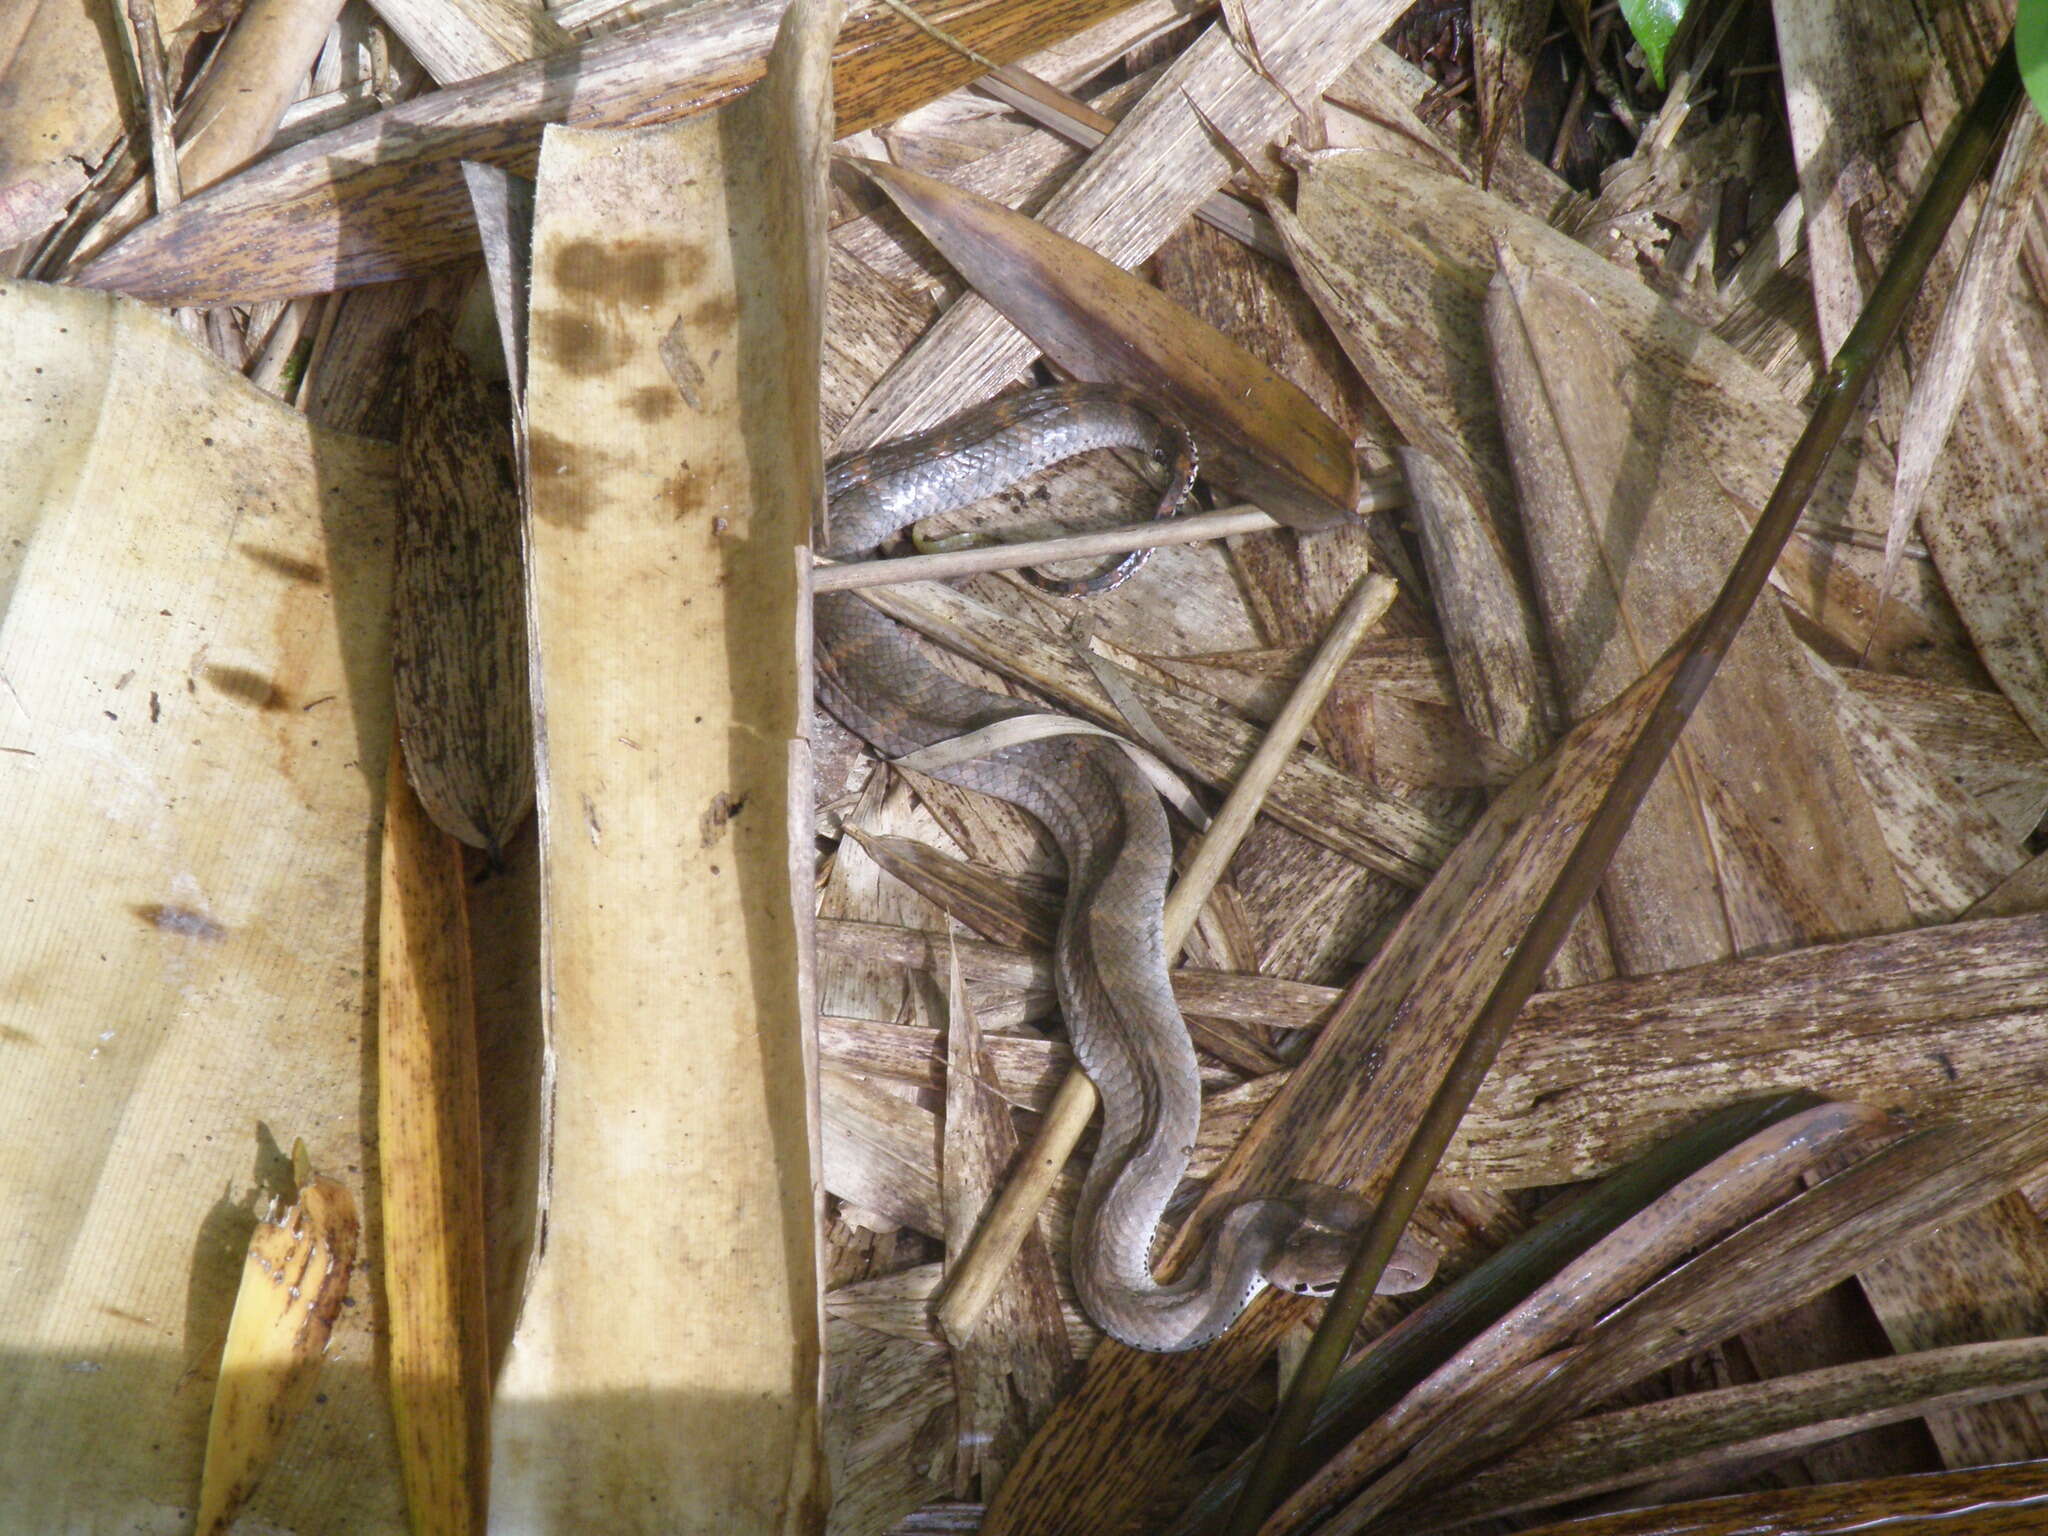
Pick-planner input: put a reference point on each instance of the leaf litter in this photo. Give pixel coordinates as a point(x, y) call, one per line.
point(1588, 391)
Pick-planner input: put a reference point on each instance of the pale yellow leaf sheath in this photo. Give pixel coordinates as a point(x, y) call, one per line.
point(433, 1182)
point(293, 1283)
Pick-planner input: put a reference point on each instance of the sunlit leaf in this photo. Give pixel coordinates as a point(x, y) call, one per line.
point(1654, 23)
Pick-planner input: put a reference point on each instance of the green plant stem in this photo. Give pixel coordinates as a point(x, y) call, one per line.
point(1841, 392)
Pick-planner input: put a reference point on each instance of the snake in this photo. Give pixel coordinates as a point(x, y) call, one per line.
point(1110, 966)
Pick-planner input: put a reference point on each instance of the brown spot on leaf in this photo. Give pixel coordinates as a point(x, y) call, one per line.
point(716, 314)
point(308, 571)
point(182, 921)
point(717, 817)
point(682, 494)
point(625, 271)
point(556, 460)
point(577, 346)
point(9, 1035)
point(549, 455)
point(651, 402)
point(249, 686)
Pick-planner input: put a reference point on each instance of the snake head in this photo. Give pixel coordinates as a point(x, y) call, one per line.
point(1311, 1261)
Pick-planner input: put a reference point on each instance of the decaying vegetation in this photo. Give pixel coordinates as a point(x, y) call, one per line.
point(459, 374)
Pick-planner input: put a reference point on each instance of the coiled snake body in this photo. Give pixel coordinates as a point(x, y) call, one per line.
point(1110, 964)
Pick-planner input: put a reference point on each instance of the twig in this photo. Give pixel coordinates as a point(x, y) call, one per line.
point(1016, 1210)
point(1197, 529)
point(1842, 390)
point(148, 46)
point(1073, 119)
point(156, 104)
point(952, 42)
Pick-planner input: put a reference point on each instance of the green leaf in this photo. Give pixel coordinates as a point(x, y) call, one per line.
point(1655, 23)
point(2030, 40)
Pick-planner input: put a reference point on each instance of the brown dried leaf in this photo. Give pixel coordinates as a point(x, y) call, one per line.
point(258, 70)
point(992, 905)
point(1953, 354)
point(1399, 257)
point(1743, 845)
point(459, 626)
point(1732, 1425)
point(462, 39)
point(1947, 848)
point(1895, 1197)
point(1007, 1374)
point(1139, 186)
point(881, 1153)
point(430, 1154)
point(1991, 1501)
point(1506, 35)
point(1100, 323)
point(1982, 1277)
point(64, 76)
point(1704, 1206)
point(380, 198)
point(671, 697)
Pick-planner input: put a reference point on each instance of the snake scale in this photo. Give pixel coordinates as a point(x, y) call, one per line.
point(1110, 962)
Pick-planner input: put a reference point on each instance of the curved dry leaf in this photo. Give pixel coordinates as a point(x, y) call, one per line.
point(1697, 1210)
point(458, 637)
point(293, 1282)
point(1895, 1197)
point(1702, 1431)
point(1268, 439)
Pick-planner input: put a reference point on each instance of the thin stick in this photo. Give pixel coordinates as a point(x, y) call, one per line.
point(1073, 119)
point(156, 105)
point(1015, 1211)
point(148, 45)
point(1196, 529)
point(1010, 557)
point(1840, 394)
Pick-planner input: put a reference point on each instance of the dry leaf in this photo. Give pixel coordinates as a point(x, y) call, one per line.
point(380, 198)
point(654, 1381)
point(1697, 1210)
point(460, 39)
point(1953, 354)
point(1734, 1425)
point(1741, 845)
point(430, 1156)
point(65, 107)
point(1398, 258)
point(192, 743)
point(1994, 1496)
point(292, 1288)
point(459, 632)
point(1100, 323)
point(1896, 1196)
point(1129, 195)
